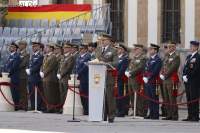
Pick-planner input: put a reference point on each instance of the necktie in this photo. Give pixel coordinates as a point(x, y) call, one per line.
point(103, 50)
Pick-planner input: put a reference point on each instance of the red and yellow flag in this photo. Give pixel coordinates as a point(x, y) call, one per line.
point(54, 11)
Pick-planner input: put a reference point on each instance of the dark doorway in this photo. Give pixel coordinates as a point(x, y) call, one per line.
point(65, 1)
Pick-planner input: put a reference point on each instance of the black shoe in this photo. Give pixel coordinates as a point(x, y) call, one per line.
point(154, 118)
point(111, 120)
point(174, 119)
point(194, 119)
point(187, 119)
point(167, 118)
point(147, 117)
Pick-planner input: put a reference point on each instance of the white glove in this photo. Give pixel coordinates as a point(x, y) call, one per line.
point(41, 74)
point(185, 79)
point(58, 76)
point(162, 77)
point(127, 73)
point(28, 72)
point(145, 79)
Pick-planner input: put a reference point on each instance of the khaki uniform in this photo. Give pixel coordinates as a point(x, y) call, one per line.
point(109, 56)
point(136, 68)
point(51, 90)
point(23, 78)
point(65, 69)
point(170, 67)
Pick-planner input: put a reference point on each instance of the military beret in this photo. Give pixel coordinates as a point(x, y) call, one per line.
point(195, 43)
point(104, 35)
point(14, 44)
point(52, 45)
point(84, 45)
point(36, 43)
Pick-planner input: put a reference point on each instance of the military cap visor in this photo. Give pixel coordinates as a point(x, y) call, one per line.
point(57, 46)
point(36, 43)
point(106, 36)
point(67, 45)
point(122, 47)
point(195, 43)
point(14, 45)
point(154, 46)
point(138, 45)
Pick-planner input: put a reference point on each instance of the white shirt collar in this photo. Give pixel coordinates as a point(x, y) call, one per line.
point(120, 55)
point(105, 48)
point(37, 52)
point(171, 53)
point(83, 55)
point(13, 53)
point(194, 53)
point(49, 53)
point(153, 56)
point(66, 54)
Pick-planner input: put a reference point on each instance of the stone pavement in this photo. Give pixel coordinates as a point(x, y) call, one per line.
point(58, 123)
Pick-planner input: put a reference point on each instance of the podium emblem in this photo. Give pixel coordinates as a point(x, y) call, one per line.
point(97, 78)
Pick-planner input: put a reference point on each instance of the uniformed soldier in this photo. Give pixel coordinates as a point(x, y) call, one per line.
point(83, 74)
point(12, 67)
point(58, 51)
point(169, 75)
point(65, 69)
point(122, 80)
point(91, 49)
point(135, 73)
point(34, 79)
point(191, 76)
point(25, 56)
point(150, 78)
point(108, 54)
point(48, 73)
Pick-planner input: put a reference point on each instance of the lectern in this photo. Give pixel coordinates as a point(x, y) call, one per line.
point(97, 85)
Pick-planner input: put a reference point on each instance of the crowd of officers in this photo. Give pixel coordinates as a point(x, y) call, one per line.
point(139, 70)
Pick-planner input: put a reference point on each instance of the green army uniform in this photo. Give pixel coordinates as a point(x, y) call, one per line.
point(65, 69)
point(23, 78)
point(170, 67)
point(109, 56)
point(51, 90)
point(136, 67)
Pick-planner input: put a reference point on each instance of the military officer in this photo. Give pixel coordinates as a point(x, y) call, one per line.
point(34, 79)
point(150, 78)
point(48, 73)
point(122, 80)
point(65, 69)
point(169, 75)
point(91, 49)
point(135, 72)
point(108, 54)
point(12, 67)
point(25, 56)
point(58, 51)
point(82, 71)
point(191, 76)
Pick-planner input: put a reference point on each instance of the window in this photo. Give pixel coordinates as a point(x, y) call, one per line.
point(171, 21)
point(117, 19)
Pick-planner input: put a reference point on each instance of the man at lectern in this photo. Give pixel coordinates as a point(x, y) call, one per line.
point(108, 54)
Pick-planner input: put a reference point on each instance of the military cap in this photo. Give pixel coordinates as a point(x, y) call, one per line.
point(154, 46)
point(104, 35)
point(138, 45)
point(67, 45)
point(14, 44)
point(84, 45)
point(51, 45)
point(122, 46)
point(73, 45)
point(57, 45)
point(92, 44)
point(36, 43)
point(22, 42)
point(195, 43)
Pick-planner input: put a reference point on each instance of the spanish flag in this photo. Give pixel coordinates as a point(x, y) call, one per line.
point(54, 11)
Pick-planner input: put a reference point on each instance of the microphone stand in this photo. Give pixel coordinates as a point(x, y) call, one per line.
point(73, 114)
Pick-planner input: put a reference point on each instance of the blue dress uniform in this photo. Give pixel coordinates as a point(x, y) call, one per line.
point(12, 67)
point(122, 86)
point(83, 72)
point(152, 70)
point(34, 79)
point(192, 72)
